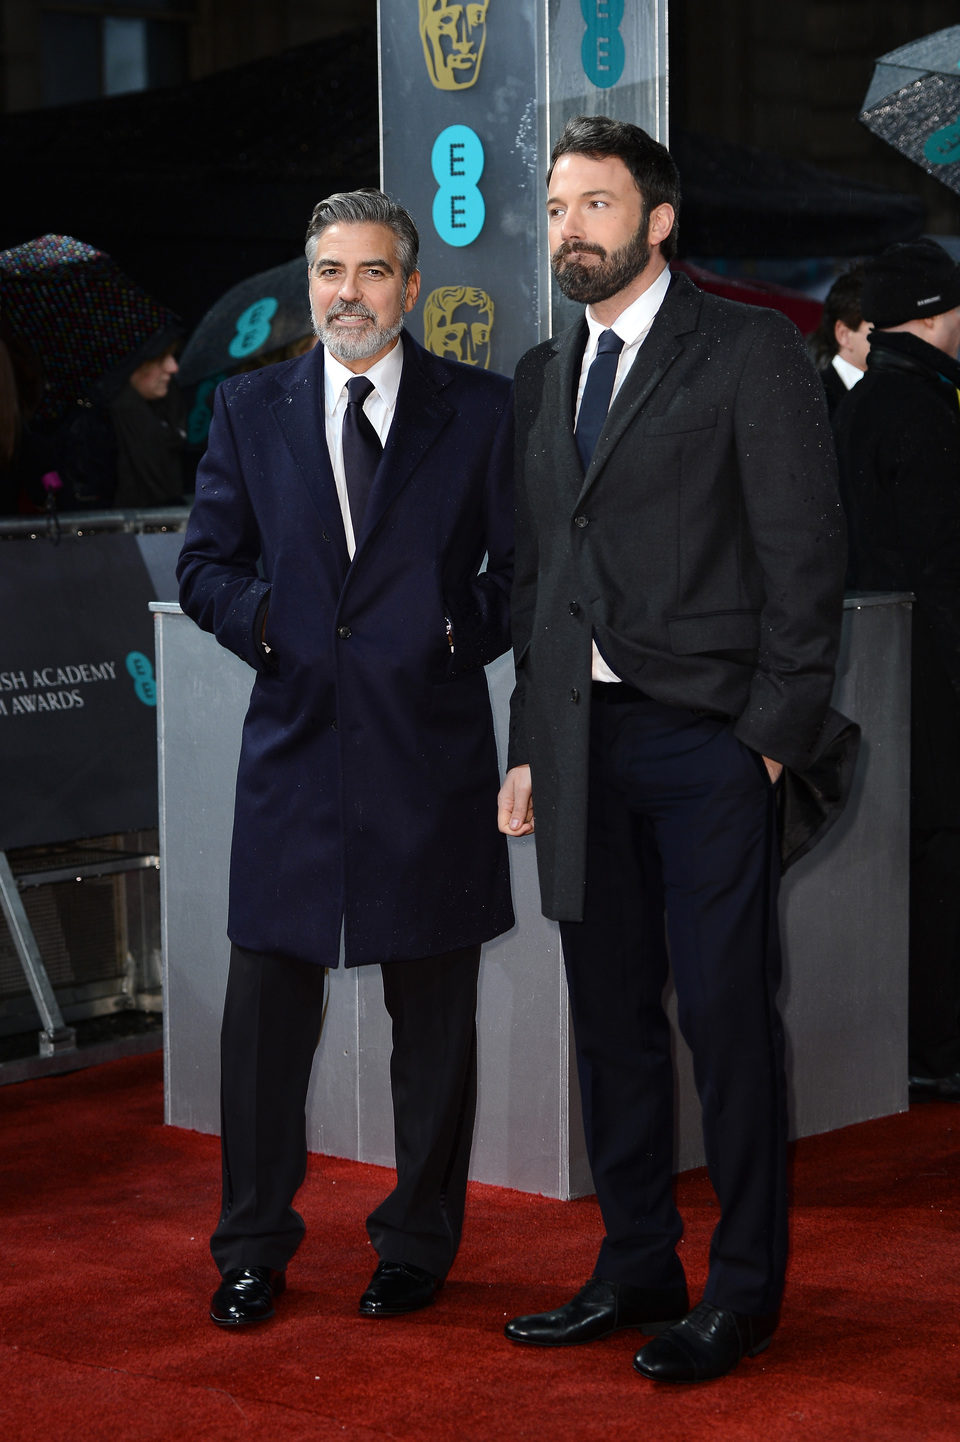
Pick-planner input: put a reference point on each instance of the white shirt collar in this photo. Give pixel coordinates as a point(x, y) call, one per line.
point(632, 324)
point(385, 376)
point(848, 373)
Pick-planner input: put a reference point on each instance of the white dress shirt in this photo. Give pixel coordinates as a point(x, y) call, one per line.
point(632, 326)
point(379, 408)
point(848, 373)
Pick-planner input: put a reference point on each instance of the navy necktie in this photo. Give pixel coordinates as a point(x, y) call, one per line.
point(595, 401)
point(361, 450)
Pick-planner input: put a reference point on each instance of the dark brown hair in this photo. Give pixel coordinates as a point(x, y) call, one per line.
point(842, 303)
point(653, 168)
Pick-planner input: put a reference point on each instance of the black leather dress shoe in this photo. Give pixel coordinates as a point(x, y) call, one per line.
point(934, 1088)
point(706, 1344)
point(246, 1295)
point(599, 1309)
point(396, 1288)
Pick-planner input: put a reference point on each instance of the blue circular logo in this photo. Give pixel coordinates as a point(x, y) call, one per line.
point(253, 327)
point(141, 669)
point(602, 51)
point(942, 147)
point(458, 207)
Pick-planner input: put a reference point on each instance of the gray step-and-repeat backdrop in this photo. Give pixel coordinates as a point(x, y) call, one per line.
point(472, 97)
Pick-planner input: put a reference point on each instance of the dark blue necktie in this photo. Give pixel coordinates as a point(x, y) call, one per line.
point(595, 401)
point(361, 449)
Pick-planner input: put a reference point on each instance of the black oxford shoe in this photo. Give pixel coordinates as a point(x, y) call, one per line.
point(706, 1344)
point(599, 1309)
point(246, 1295)
point(396, 1288)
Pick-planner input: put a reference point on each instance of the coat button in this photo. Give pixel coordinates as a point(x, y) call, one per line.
point(344, 633)
point(574, 608)
point(581, 521)
point(574, 695)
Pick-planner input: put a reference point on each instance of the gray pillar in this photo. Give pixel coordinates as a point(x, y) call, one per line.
point(469, 114)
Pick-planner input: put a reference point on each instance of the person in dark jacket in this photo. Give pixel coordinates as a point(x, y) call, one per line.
point(842, 339)
point(344, 509)
point(676, 614)
point(898, 446)
point(124, 444)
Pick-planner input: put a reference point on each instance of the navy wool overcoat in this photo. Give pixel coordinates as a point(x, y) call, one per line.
point(366, 791)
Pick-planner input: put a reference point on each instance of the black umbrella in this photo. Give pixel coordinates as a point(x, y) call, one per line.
point(913, 103)
point(78, 311)
point(260, 315)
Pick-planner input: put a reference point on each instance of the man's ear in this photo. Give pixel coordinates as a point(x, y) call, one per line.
point(413, 290)
point(661, 223)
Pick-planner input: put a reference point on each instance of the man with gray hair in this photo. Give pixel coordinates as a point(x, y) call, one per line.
point(344, 509)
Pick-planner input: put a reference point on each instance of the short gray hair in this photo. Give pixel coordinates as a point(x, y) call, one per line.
point(366, 207)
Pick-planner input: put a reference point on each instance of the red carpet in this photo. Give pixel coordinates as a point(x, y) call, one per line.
point(105, 1279)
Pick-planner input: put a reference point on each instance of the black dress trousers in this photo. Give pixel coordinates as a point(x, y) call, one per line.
point(433, 1081)
point(271, 1025)
point(682, 825)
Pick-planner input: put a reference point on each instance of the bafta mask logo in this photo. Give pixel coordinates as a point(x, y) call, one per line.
point(457, 321)
point(453, 38)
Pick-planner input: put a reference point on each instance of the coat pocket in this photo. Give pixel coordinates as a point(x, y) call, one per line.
point(681, 419)
point(716, 631)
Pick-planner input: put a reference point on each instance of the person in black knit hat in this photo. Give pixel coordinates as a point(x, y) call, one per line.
point(898, 445)
point(124, 445)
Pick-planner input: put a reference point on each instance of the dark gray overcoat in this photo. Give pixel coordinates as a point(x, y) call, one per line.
point(704, 548)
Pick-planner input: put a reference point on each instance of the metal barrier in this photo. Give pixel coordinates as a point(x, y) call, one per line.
point(78, 760)
point(53, 525)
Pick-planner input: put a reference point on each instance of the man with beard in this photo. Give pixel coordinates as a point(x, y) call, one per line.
point(676, 615)
point(344, 508)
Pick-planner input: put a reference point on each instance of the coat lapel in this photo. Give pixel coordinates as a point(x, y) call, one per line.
point(420, 416)
point(299, 414)
point(676, 317)
point(561, 378)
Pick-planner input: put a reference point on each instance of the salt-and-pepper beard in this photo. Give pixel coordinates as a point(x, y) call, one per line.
point(591, 284)
point(344, 344)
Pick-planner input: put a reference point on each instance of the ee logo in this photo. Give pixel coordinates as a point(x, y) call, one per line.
point(942, 147)
point(201, 414)
point(141, 669)
point(457, 164)
point(602, 51)
point(253, 327)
